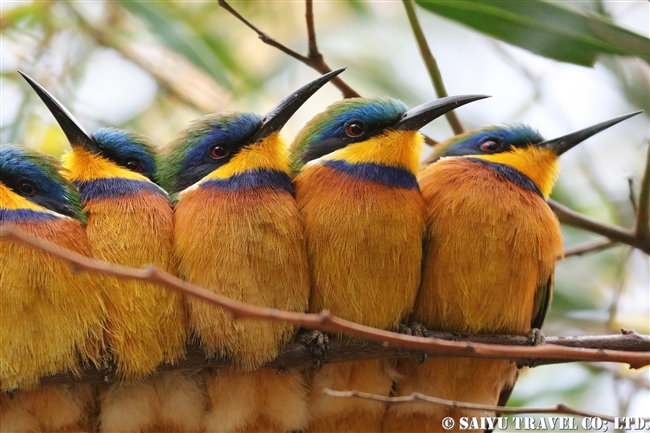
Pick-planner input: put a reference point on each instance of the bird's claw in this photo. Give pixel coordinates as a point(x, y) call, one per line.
point(536, 337)
point(318, 344)
point(417, 330)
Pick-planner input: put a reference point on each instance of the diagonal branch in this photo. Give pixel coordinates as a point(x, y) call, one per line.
point(431, 64)
point(618, 234)
point(324, 320)
point(314, 61)
point(589, 247)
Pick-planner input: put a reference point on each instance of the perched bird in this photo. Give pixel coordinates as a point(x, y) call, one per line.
point(51, 317)
point(490, 253)
point(238, 233)
point(364, 219)
point(130, 223)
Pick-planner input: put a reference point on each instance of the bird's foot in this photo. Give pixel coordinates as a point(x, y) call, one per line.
point(536, 337)
point(417, 330)
point(318, 343)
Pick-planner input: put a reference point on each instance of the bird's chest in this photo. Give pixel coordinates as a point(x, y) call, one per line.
point(491, 246)
point(339, 206)
point(134, 230)
point(364, 241)
point(224, 234)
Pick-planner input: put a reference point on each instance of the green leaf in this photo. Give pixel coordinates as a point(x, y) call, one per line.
point(179, 36)
point(547, 29)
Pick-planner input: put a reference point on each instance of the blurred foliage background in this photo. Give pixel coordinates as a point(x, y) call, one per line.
point(154, 66)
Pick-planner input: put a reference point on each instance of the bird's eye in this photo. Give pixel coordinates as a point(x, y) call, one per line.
point(355, 129)
point(27, 187)
point(133, 165)
point(218, 152)
point(490, 146)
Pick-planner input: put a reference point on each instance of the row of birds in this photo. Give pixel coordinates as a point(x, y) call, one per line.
point(343, 220)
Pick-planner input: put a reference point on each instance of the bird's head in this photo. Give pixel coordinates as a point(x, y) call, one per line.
point(108, 153)
point(31, 186)
point(522, 148)
point(374, 130)
point(220, 146)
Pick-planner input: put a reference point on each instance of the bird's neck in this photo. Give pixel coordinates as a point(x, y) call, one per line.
point(539, 165)
point(399, 149)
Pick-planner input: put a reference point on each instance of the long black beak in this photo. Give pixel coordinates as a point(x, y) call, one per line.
point(276, 118)
point(562, 144)
point(419, 116)
point(77, 136)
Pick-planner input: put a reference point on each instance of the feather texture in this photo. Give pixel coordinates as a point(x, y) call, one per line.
point(130, 223)
point(52, 318)
point(483, 267)
point(364, 217)
point(238, 232)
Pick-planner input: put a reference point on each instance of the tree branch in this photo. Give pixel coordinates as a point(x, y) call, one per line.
point(417, 397)
point(589, 247)
point(643, 218)
point(431, 65)
point(315, 59)
point(326, 322)
point(311, 32)
point(297, 355)
point(618, 234)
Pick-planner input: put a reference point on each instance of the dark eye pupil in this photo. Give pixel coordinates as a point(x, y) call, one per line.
point(27, 188)
point(489, 146)
point(218, 152)
point(355, 129)
point(133, 165)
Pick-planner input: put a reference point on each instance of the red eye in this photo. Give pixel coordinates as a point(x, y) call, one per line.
point(218, 152)
point(133, 165)
point(489, 146)
point(355, 129)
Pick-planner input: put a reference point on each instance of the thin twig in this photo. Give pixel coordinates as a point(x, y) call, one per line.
point(630, 186)
point(316, 62)
point(416, 396)
point(643, 218)
point(589, 247)
point(620, 287)
point(431, 65)
point(325, 321)
point(618, 234)
point(311, 32)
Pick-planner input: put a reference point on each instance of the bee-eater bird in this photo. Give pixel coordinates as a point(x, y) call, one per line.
point(130, 223)
point(364, 220)
point(238, 233)
point(51, 317)
point(490, 252)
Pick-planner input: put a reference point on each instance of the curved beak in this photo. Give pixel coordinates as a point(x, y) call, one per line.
point(77, 136)
point(417, 117)
point(562, 144)
point(278, 116)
